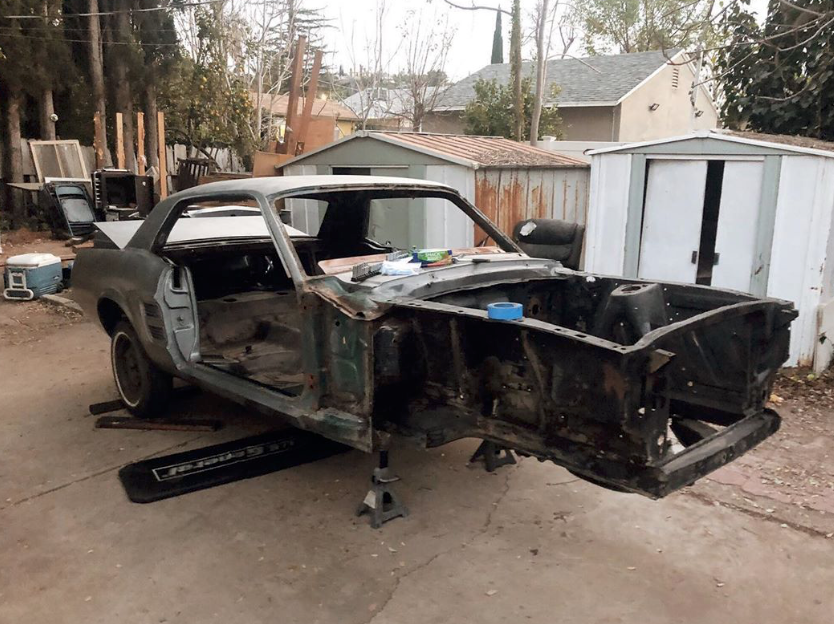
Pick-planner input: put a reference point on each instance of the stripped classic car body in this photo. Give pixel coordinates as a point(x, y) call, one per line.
point(634, 385)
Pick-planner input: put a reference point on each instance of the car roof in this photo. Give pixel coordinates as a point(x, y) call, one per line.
point(266, 189)
point(196, 230)
point(287, 184)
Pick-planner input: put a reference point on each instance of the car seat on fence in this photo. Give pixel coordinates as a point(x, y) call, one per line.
point(551, 238)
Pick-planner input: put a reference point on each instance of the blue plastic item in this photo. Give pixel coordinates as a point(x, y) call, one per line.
point(32, 275)
point(505, 311)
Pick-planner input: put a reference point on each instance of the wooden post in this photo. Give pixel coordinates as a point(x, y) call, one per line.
point(309, 100)
point(140, 143)
point(120, 142)
point(288, 147)
point(99, 139)
point(163, 158)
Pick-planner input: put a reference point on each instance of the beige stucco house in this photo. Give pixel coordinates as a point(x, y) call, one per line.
point(623, 97)
point(277, 104)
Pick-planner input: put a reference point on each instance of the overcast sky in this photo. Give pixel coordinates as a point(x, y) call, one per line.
point(353, 21)
point(354, 27)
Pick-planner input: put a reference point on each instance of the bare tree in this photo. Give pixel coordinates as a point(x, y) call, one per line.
point(123, 90)
point(426, 42)
point(515, 57)
point(274, 26)
point(14, 100)
point(549, 19)
point(568, 32)
point(97, 71)
point(370, 70)
point(46, 101)
point(151, 125)
point(515, 70)
point(266, 16)
point(541, 16)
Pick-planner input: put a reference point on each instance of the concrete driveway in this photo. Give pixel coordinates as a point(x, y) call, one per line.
point(529, 543)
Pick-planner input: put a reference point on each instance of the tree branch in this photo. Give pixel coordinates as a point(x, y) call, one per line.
point(474, 7)
point(799, 8)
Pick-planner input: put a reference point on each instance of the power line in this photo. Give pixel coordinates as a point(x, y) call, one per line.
point(62, 29)
point(106, 43)
point(185, 5)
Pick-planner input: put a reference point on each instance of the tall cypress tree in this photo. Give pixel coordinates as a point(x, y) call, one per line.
point(497, 41)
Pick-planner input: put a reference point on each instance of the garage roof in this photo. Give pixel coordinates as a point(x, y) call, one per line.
point(784, 143)
point(485, 151)
point(476, 152)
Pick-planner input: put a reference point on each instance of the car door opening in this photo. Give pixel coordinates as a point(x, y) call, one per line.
point(248, 315)
point(246, 304)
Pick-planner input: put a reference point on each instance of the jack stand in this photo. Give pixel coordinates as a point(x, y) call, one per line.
point(380, 502)
point(493, 458)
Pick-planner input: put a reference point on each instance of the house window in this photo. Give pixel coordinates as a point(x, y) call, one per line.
point(676, 76)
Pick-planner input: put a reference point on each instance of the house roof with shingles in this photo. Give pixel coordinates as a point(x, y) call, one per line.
point(476, 152)
point(592, 81)
point(277, 105)
point(383, 103)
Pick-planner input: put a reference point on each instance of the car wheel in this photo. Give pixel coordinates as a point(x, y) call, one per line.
point(143, 388)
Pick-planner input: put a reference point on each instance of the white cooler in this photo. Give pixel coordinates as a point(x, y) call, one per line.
point(32, 275)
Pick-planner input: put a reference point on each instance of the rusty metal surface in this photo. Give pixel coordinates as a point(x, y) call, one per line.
point(128, 422)
point(487, 151)
point(560, 385)
point(508, 196)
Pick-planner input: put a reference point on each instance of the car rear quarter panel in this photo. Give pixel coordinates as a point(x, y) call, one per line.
point(129, 278)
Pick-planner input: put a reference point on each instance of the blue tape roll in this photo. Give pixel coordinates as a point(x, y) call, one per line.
point(505, 311)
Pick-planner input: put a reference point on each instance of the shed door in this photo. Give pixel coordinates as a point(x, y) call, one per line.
point(738, 216)
point(392, 222)
point(672, 218)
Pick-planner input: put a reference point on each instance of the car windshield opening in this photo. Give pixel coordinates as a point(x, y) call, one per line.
point(346, 228)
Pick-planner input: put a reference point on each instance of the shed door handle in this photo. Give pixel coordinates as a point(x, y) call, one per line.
point(694, 258)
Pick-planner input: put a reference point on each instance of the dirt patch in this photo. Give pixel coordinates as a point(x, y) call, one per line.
point(801, 385)
point(790, 477)
point(28, 321)
point(23, 241)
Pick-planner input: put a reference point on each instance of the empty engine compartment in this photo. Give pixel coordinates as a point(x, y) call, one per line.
point(615, 309)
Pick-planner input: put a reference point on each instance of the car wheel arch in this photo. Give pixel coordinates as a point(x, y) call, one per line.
point(109, 314)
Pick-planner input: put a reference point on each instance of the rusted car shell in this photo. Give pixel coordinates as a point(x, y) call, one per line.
point(419, 356)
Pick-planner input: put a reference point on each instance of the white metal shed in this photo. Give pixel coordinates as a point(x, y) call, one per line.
point(743, 211)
